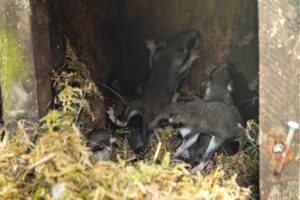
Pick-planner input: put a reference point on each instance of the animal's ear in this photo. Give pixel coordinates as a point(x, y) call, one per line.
point(230, 86)
point(112, 140)
point(205, 82)
point(208, 74)
point(210, 70)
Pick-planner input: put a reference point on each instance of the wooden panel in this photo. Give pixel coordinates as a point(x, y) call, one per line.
point(92, 29)
point(279, 45)
point(18, 83)
point(41, 50)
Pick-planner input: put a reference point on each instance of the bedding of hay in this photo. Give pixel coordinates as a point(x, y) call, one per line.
point(50, 160)
point(57, 165)
point(77, 94)
point(245, 163)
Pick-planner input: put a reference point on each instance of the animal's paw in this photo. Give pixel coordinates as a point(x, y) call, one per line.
point(103, 154)
point(112, 117)
point(111, 114)
point(176, 154)
point(194, 54)
point(150, 45)
point(175, 97)
point(177, 161)
point(200, 167)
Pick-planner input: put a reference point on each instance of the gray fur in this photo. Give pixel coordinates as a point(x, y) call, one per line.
point(220, 120)
point(219, 84)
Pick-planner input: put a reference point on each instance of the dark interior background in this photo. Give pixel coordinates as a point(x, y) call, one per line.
point(109, 37)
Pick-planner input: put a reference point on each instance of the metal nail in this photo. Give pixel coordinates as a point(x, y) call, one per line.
point(278, 148)
point(293, 127)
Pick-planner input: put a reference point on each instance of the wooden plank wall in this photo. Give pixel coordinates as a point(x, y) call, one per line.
point(41, 50)
point(95, 41)
point(279, 47)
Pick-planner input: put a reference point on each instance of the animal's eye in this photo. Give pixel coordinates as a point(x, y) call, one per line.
point(158, 51)
point(182, 55)
point(163, 123)
point(98, 147)
point(160, 47)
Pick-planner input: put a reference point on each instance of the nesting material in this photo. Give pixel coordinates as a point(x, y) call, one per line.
point(76, 92)
point(58, 166)
point(163, 143)
point(245, 163)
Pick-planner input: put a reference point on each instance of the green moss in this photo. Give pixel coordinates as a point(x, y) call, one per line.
point(12, 68)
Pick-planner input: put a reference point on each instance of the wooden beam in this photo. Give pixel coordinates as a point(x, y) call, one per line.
point(42, 53)
point(24, 59)
point(18, 83)
point(279, 57)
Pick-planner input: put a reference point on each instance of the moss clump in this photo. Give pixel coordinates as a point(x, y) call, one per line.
point(245, 163)
point(57, 165)
point(76, 92)
point(165, 142)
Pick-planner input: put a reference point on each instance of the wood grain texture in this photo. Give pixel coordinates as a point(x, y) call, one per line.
point(41, 50)
point(92, 27)
point(279, 47)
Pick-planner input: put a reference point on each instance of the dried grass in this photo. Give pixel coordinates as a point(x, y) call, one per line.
point(244, 164)
point(58, 166)
point(163, 143)
point(73, 84)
